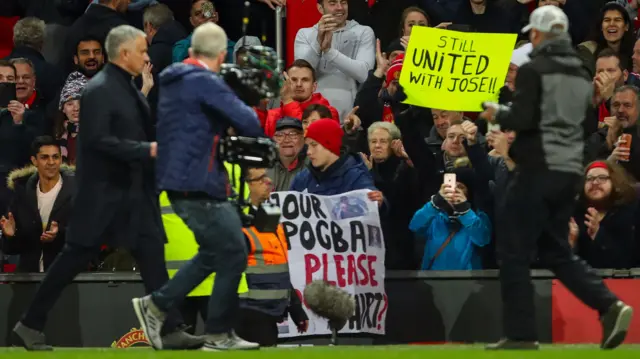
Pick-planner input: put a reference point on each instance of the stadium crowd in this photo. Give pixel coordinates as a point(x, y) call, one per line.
point(339, 121)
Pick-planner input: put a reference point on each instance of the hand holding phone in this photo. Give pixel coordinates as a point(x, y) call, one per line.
point(493, 127)
point(449, 186)
point(7, 93)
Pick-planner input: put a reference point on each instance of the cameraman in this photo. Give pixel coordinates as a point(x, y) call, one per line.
point(270, 298)
point(195, 109)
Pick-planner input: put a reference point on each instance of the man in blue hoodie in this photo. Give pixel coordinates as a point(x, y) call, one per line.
point(341, 51)
point(195, 108)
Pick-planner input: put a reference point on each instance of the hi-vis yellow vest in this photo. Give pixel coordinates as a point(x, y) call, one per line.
point(182, 245)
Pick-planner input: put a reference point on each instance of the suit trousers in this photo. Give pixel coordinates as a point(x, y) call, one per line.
point(191, 308)
point(74, 259)
point(217, 228)
point(534, 223)
point(258, 327)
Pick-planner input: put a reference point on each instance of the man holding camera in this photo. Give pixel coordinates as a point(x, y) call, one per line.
point(195, 108)
point(270, 298)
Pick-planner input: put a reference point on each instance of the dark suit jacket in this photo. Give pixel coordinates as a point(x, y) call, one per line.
point(24, 208)
point(116, 202)
point(160, 53)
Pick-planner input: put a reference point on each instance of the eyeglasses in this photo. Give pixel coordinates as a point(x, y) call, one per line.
point(264, 179)
point(598, 179)
point(279, 136)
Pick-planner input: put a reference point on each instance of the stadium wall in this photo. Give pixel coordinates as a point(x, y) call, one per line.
point(424, 307)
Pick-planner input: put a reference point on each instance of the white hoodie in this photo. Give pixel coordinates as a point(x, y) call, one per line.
point(347, 63)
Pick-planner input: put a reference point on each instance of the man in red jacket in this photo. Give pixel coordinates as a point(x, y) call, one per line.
point(296, 94)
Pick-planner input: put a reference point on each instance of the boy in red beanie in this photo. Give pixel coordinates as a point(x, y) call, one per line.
point(329, 172)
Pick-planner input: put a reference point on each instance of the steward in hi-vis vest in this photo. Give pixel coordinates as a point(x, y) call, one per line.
point(270, 298)
point(181, 246)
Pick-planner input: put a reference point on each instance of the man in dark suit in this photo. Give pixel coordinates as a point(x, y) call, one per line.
point(35, 226)
point(116, 203)
point(162, 32)
point(96, 22)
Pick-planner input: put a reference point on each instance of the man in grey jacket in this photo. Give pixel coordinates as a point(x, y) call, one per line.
point(341, 51)
point(552, 95)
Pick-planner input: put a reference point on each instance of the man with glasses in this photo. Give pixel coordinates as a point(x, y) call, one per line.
point(271, 297)
point(21, 121)
point(30, 107)
point(292, 158)
point(14, 139)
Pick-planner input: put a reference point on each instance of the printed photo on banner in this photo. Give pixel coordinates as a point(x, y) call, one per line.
point(452, 70)
point(375, 236)
point(337, 239)
point(347, 207)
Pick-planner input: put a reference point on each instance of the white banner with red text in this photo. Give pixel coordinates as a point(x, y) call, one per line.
point(337, 239)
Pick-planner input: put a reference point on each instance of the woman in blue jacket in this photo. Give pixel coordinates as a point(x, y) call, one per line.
point(452, 229)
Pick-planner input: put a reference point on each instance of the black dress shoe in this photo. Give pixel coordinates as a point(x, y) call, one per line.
point(507, 344)
point(180, 339)
point(30, 339)
point(615, 324)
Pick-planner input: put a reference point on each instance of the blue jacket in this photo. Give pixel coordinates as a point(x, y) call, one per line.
point(181, 49)
point(348, 174)
point(195, 108)
point(461, 253)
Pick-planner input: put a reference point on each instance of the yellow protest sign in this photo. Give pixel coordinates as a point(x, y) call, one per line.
point(452, 70)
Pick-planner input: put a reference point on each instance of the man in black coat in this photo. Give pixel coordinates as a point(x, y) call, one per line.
point(162, 32)
point(116, 203)
point(35, 226)
point(96, 22)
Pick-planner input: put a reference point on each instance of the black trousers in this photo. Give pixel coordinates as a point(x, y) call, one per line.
point(258, 327)
point(190, 308)
point(74, 259)
point(534, 222)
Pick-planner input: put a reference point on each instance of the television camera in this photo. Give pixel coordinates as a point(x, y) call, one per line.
point(256, 77)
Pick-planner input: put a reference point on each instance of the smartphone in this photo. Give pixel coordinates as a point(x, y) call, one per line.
point(450, 180)
point(7, 93)
point(460, 27)
point(493, 127)
point(625, 142)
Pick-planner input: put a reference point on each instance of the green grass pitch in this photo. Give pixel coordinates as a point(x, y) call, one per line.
point(340, 352)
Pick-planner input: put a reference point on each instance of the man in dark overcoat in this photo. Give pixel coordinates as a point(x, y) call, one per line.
point(116, 202)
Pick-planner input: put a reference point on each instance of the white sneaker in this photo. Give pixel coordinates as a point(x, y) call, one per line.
point(226, 342)
point(151, 319)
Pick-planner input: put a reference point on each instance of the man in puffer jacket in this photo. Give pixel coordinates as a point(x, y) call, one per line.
point(329, 173)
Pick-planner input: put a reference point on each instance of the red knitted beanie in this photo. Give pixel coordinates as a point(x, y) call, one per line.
point(326, 132)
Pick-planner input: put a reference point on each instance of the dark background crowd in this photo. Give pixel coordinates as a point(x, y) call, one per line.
point(345, 72)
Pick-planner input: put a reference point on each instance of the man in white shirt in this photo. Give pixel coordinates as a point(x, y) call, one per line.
point(341, 51)
point(34, 228)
